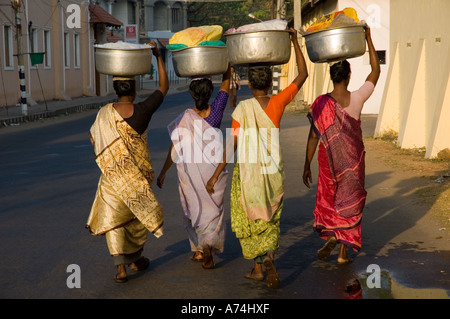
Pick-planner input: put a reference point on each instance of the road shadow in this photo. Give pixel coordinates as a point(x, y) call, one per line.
point(384, 218)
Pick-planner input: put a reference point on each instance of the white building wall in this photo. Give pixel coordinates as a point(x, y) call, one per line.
point(376, 14)
point(416, 102)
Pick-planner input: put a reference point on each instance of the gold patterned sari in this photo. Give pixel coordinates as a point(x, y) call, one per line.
point(125, 206)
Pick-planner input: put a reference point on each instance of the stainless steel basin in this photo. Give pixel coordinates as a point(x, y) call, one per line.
point(335, 44)
point(200, 60)
point(123, 62)
point(267, 47)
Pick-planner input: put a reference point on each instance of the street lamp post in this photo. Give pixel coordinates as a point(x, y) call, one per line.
point(281, 9)
point(281, 14)
point(15, 4)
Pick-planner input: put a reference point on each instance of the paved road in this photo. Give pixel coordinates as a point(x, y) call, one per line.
point(48, 182)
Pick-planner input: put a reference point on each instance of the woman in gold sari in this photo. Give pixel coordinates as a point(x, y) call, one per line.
point(125, 208)
point(258, 178)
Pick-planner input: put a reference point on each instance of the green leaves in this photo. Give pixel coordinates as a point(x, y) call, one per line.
point(232, 14)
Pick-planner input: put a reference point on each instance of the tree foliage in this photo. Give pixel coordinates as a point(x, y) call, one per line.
point(232, 14)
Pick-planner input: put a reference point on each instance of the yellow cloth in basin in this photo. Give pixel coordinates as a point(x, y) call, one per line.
point(195, 35)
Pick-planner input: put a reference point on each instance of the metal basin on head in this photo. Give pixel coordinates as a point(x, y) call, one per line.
point(335, 44)
point(200, 61)
point(260, 47)
point(123, 62)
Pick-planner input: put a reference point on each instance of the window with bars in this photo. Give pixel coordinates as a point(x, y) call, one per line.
point(33, 42)
point(77, 50)
point(8, 46)
point(176, 16)
point(66, 50)
point(48, 48)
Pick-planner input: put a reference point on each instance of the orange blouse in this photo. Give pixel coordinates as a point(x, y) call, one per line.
point(275, 108)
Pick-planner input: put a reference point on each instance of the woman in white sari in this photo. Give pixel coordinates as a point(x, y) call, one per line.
point(197, 151)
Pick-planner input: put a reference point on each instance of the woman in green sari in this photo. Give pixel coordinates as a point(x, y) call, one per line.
point(258, 176)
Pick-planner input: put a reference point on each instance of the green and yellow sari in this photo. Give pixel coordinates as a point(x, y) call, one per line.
point(258, 182)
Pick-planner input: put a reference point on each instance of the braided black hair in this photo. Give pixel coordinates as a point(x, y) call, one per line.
point(201, 91)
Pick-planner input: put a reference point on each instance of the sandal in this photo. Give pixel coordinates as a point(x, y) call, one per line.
point(253, 276)
point(120, 280)
point(325, 252)
point(140, 264)
point(208, 262)
point(273, 280)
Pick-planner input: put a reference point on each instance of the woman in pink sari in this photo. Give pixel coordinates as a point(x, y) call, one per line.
point(196, 150)
point(335, 122)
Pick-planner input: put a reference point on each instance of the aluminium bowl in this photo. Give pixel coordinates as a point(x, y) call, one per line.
point(335, 44)
point(259, 47)
point(200, 60)
point(123, 62)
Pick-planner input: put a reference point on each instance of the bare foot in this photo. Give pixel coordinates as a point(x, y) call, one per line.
point(256, 273)
point(343, 261)
point(342, 257)
point(198, 256)
point(140, 264)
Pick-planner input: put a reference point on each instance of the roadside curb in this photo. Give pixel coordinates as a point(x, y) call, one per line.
point(48, 114)
point(66, 110)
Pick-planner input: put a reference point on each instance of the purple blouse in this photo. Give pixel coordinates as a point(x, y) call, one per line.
point(217, 108)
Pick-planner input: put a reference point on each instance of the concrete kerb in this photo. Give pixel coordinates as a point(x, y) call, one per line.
point(41, 111)
point(36, 114)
